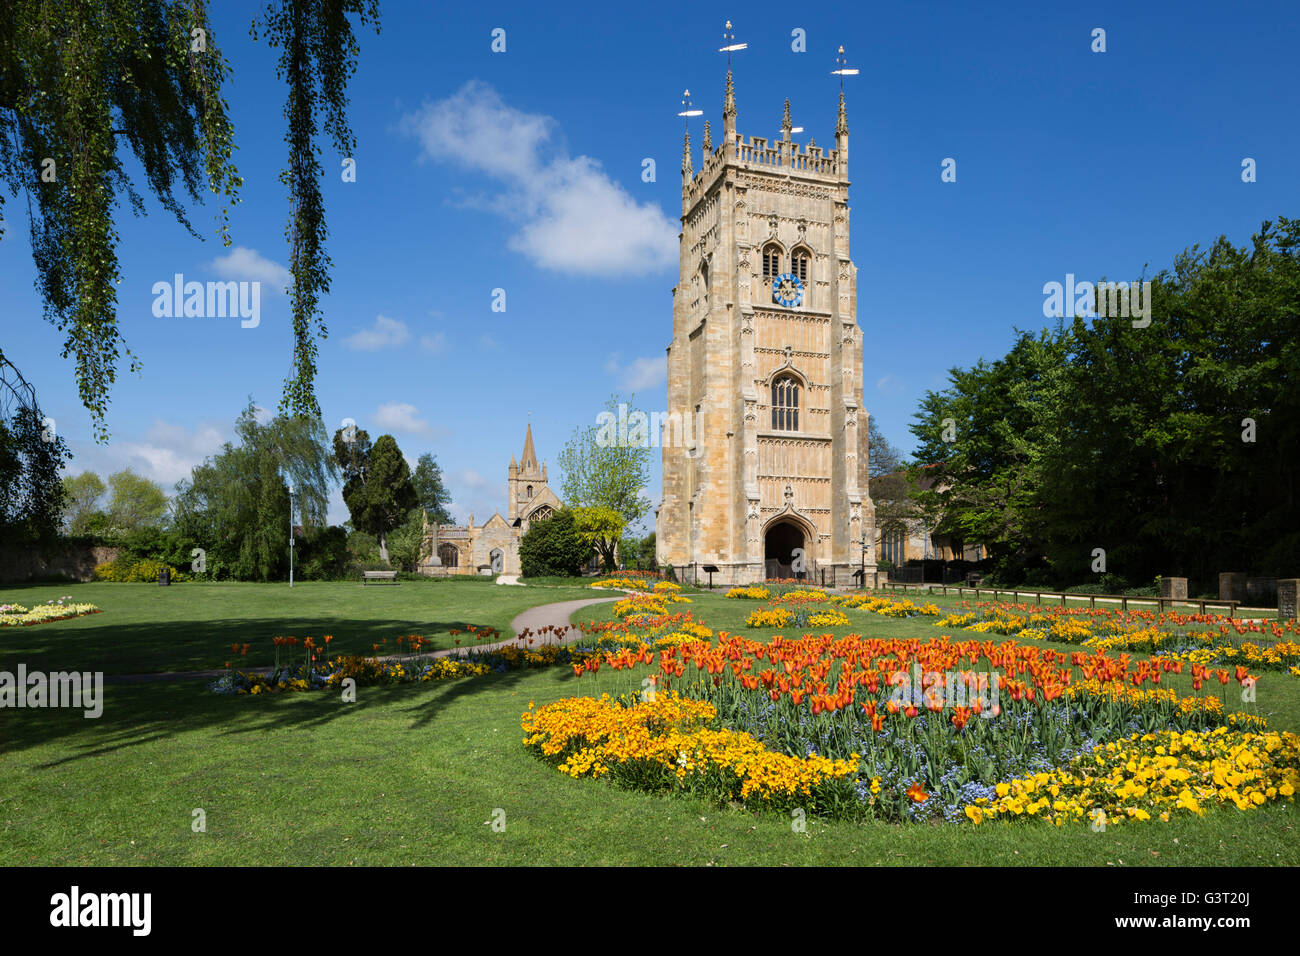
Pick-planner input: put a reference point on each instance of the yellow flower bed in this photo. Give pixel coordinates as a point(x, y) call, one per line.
point(770, 617)
point(752, 593)
point(1155, 775)
point(656, 743)
point(18, 615)
point(956, 620)
point(626, 584)
point(828, 619)
point(653, 604)
point(667, 586)
point(803, 596)
point(886, 606)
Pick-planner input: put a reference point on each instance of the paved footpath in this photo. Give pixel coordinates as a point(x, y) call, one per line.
point(545, 624)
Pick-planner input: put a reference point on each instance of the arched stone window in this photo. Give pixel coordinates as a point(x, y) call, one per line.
point(771, 260)
point(785, 404)
point(801, 263)
point(449, 555)
point(528, 493)
point(542, 513)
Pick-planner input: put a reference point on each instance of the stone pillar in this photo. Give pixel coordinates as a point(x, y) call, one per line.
point(1232, 586)
point(1175, 588)
point(1288, 596)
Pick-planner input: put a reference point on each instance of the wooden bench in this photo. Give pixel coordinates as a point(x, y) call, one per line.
point(368, 576)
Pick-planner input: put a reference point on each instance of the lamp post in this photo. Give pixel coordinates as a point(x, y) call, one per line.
point(864, 561)
point(290, 534)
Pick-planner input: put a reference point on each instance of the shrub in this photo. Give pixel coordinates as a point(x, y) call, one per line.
point(553, 548)
point(131, 569)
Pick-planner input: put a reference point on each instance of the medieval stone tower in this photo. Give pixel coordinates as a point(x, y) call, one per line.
point(766, 362)
point(528, 495)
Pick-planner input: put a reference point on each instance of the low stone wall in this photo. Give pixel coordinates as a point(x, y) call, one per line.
point(75, 561)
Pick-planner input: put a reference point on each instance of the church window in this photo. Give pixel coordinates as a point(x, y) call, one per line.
point(541, 514)
point(528, 494)
point(771, 261)
point(785, 404)
point(799, 263)
point(449, 555)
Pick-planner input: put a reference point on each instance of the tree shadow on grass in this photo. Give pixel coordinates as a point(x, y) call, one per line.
point(160, 646)
point(139, 714)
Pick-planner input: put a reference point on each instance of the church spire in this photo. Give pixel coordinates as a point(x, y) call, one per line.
point(786, 123)
point(729, 99)
point(687, 169)
point(842, 127)
point(707, 143)
point(529, 460)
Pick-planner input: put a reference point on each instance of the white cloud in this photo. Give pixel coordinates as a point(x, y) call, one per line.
point(640, 373)
point(401, 417)
point(572, 216)
point(434, 343)
point(166, 453)
point(243, 264)
point(386, 333)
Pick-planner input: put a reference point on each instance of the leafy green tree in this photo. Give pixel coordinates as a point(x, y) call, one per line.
point(32, 495)
point(553, 547)
point(405, 541)
point(134, 502)
point(1170, 445)
point(83, 492)
point(430, 491)
point(884, 458)
point(82, 83)
point(376, 483)
point(600, 528)
point(604, 472)
point(235, 506)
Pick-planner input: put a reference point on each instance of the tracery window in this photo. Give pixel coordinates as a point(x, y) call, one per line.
point(785, 404)
point(799, 263)
point(771, 261)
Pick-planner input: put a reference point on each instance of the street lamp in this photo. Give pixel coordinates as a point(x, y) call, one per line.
point(290, 533)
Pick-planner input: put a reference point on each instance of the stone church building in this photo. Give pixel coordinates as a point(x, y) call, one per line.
point(493, 547)
point(766, 354)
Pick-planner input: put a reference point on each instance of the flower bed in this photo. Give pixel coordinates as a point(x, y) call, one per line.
point(1142, 632)
point(932, 727)
point(667, 744)
point(18, 615)
point(1154, 775)
point(321, 674)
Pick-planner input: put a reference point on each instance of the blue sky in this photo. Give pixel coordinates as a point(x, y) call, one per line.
point(522, 171)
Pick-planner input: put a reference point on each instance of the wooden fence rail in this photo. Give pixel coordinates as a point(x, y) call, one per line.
point(1123, 599)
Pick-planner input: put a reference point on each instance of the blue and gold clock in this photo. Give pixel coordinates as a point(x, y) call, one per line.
point(787, 290)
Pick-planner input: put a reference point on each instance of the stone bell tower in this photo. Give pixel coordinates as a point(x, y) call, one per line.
point(766, 357)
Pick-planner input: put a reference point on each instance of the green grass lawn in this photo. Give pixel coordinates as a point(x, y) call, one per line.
point(414, 774)
point(145, 628)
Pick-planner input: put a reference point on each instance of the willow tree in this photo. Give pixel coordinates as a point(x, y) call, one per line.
point(32, 497)
point(85, 82)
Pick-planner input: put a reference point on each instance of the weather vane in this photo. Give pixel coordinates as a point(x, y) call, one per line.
point(842, 70)
point(732, 45)
point(687, 110)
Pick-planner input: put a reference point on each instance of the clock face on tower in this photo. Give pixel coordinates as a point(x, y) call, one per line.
point(787, 290)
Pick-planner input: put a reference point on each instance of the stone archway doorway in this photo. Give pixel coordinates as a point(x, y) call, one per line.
point(780, 543)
